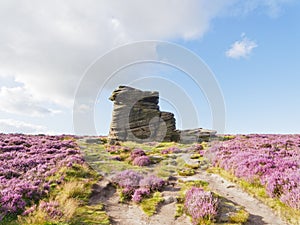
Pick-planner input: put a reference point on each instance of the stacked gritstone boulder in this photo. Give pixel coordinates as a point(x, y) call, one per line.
point(136, 117)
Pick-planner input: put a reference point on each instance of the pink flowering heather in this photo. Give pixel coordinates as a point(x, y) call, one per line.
point(29, 210)
point(200, 204)
point(142, 161)
point(198, 147)
point(152, 182)
point(128, 180)
point(169, 150)
point(113, 149)
point(116, 149)
point(135, 185)
point(52, 209)
point(25, 163)
point(139, 194)
point(292, 198)
point(137, 153)
point(271, 160)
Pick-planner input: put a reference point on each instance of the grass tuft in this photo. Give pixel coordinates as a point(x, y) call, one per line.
point(71, 196)
point(240, 217)
point(149, 205)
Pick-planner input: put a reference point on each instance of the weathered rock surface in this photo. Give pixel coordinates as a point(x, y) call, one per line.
point(195, 135)
point(137, 117)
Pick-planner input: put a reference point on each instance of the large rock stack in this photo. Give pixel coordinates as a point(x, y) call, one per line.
point(136, 117)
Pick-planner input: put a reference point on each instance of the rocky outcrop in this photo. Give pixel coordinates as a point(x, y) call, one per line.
point(137, 117)
point(195, 135)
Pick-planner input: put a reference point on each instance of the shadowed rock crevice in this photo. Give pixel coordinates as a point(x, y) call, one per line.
point(136, 117)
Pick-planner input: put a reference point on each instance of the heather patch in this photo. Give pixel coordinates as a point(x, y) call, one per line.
point(26, 162)
point(269, 160)
point(135, 185)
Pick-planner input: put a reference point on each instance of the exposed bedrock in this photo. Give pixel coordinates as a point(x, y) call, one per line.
point(136, 117)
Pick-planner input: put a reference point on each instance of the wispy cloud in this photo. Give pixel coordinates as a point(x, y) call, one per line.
point(11, 126)
point(18, 100)
point(49, 45)
point(241, 48)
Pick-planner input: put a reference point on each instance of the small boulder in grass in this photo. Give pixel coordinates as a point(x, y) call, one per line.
point(141, 161)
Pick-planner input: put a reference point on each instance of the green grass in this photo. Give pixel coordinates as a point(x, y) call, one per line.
point(149, 205)
point(164, 171)
point(186, 172)
point(239, 217)
point(100, 160)
point(72, 197)
point(179, 210)
point(196, 156)
point(89, 215)
point(192, 166)
point(289, 214)
point(227, 137)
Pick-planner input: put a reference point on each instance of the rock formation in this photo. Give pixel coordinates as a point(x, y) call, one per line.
point(195, 135)
point(136, 117)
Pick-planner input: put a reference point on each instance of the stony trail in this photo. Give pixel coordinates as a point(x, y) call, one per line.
point(260, 214)
point(131, 214)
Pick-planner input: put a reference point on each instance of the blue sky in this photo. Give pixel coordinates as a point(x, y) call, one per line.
point(251, 46)
point(261, 91)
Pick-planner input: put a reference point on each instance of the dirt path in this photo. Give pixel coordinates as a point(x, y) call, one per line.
point(131, 214)
point(260, 214)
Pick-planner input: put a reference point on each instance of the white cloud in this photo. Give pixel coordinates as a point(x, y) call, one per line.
point(18, 100)
point(83, 108)
point(47, 45)
point(241, 49)
point(15, 126)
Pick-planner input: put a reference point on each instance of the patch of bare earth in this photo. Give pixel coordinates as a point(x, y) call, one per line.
point(130, 213)
point(260, 214)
